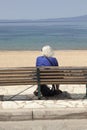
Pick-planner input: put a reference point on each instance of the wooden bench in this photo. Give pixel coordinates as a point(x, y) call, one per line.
point(43, 75)
point(18, 76)
point(62, 75)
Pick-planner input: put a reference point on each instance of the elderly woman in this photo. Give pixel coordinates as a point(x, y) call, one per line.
point(47, 59)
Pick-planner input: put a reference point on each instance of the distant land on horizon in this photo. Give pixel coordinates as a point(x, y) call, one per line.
point(66, 19)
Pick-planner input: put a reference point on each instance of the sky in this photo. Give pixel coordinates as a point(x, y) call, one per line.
point(41, 9)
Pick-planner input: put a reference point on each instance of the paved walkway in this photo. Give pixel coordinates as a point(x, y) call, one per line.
point(72, 124)
point(25, 106)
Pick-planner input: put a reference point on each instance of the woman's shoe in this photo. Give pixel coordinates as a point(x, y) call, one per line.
point(36, 92)
point(59, 91)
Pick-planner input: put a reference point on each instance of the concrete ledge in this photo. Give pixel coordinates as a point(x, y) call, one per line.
point(15, 115)
point(63, 113)
point(42, 114)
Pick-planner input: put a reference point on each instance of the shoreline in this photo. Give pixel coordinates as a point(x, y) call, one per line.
point(27, 58)
point(54, 50)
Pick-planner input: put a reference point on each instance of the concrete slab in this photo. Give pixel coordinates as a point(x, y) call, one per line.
point(61, 113)
point(25, 106)
point(11, 115)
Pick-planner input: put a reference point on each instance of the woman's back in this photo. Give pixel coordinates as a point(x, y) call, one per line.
point(46, 61)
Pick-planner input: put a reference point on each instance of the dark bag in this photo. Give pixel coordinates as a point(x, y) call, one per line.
point(46, 91)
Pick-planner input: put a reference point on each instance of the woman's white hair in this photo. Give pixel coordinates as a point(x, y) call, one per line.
point(47, 51)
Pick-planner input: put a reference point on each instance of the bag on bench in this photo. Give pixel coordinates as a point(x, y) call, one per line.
point(47, 92)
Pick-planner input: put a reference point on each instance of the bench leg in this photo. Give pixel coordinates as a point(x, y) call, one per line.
point(39, 92)
point(38, 78)
point(86, 91)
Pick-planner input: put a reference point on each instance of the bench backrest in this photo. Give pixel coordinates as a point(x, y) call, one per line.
point(63, 75)
point(18, 76)
point(43, 75)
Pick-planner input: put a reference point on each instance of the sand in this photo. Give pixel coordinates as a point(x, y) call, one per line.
point(28, 58)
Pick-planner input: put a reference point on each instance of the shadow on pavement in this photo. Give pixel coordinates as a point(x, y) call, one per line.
point(65, 95)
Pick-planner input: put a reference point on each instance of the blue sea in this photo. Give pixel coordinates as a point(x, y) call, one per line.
point(61, 35)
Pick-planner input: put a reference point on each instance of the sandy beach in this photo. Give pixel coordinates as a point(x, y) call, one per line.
point(28, 58)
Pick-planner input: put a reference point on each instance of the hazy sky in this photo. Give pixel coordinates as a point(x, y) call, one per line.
point(41, 9)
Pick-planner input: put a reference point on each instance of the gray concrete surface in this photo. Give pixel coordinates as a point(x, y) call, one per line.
point(25, 106)
point(45, 125)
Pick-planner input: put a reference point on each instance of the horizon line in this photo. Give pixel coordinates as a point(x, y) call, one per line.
point(42, 18)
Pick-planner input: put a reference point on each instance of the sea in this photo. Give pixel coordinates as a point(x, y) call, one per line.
point(32, 35)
